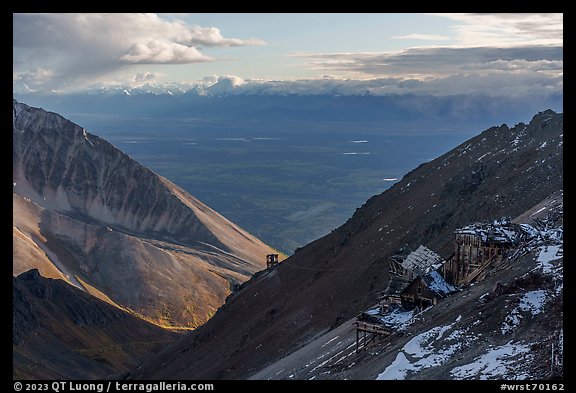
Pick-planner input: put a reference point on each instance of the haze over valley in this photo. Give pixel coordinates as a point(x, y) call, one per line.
point(288, 176)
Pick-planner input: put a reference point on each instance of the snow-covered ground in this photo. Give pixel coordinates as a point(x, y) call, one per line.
point(498, 363)
point(397, 319)
point(547, 254)
point(419, 353)
point(531, 303)
point(481, 333)
point(440, 345)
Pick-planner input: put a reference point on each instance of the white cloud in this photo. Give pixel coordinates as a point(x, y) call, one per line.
point(29, 79)
point(511, 71)
point(505, 48)
point(147, 77)
point(426, 62)
point(416, 36)
point(494, 54)
point(162, 52)
point(87, 47)
point(507, 29)
point(211, 36)
point(498, 84)
point(554, 66)
point(209, 80)
point(226, 85)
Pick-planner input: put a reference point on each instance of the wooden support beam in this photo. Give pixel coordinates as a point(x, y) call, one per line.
point(369, 328)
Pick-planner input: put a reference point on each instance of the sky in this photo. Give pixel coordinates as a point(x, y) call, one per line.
point(498, 54)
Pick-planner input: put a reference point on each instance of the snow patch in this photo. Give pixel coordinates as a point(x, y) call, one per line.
point(86, 137)
point(548, 254)
point(538, 211)
point(437, 283)
point(398, 319)
point(502, 362)
point(533, 301)
point(482, 156)
point(398, 369)
point(518, 138)
point(329, 341)
point(421, 349)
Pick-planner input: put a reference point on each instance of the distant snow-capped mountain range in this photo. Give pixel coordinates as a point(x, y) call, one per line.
point(234, 85)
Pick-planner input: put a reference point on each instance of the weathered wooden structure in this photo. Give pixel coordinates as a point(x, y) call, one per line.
point(403, 271)
point(425, 290)
point(271, 260)
point(369, 329)
point(389, 301)
point(414, 281)
point(478, 246)
point(420, 279)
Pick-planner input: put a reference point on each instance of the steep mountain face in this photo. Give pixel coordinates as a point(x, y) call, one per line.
point(501, 172)
point(61, 332)
point(86, 212)
point(508, 324)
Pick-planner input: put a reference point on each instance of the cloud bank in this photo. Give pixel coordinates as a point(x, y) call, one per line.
point(490, 54)
point(75, 48)
point(509, 54)
point(437, 61)
point(507, 29)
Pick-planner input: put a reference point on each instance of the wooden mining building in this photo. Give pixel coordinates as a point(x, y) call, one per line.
point(422, 278)
point(414, 282)
point(478, 246)
point(404, 272)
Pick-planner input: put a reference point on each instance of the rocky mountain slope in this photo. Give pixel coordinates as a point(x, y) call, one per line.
point(501, 172)
point(61, 332)
point(506, 325)
point(87, 213)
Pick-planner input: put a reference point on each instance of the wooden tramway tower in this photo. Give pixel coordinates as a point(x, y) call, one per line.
point(271, 260)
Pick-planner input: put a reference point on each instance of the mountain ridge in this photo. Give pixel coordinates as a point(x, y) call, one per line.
point(87, 213)
point(60, 332)
point(328, 281)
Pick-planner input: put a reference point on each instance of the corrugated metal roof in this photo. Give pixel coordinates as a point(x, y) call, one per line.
point(421, 260)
